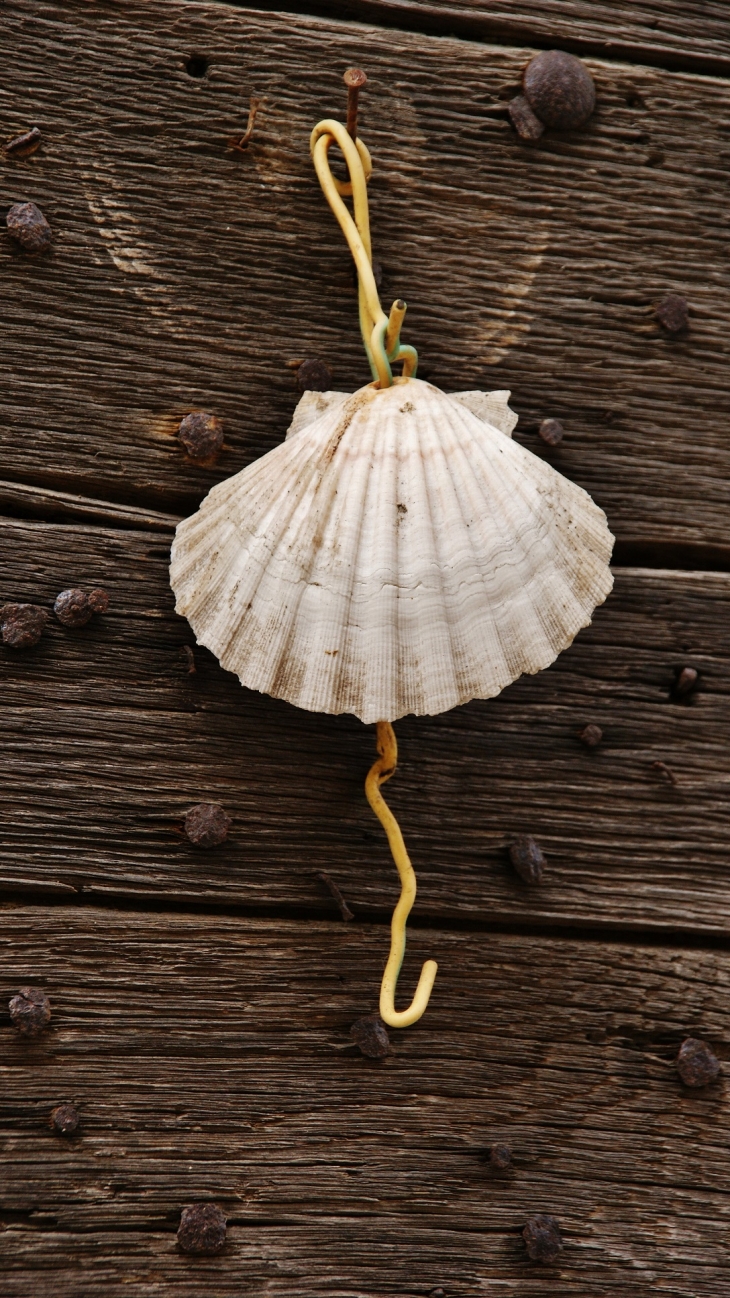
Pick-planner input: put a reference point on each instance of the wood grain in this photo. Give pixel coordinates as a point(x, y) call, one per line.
point(108, 739)
point(665, 33)
point(210, 1060)
point(185, 276)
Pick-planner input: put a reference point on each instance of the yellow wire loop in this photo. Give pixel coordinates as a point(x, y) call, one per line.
point(380, 333)
point(379, 772)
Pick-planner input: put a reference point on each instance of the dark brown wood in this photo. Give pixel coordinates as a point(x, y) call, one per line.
point(210, 1059)
point(108, 739)
point(666, 33)
point(185, 276)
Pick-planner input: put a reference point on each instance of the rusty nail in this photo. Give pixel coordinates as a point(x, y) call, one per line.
point(202, 1229)
point(559, 89)
point(542, 1238)
point(22, 625)
point(686, 681)
point(527, 125)
point(591, 735)
point(371, 1036)
point(666, 772)
point(201, 434)
point(65, 1119)
point(696, 1064)
point(30, 1011)
point(314, 376)
point(354, 79)
point(76, 607)
point(500, 1156)
point(24, 145)
point(437, 1293)
point(329, 883)
point(241, 143)
point(527, 858)
point(207, 824)
point(190, 659)
point(29, 227)
point(672, 313)
point(551, 431)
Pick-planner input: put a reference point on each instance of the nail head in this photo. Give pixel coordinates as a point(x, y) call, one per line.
point(672, 313)
point(371, 1036)
point(542, 1237)
point(551, 431)
point(527, 858)
point(29, 227)
point(30, 1011)
point(686, 681)
point(201, 434)
point(591, 735)
point(500, 1156)
point(65, 1119)
point(207, 824)
point(314, 376)
point(22, 625)
point(696, 1063)
point(202, 1228)
point(559, 89)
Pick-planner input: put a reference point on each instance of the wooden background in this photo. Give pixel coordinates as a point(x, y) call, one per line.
point(202, 1000)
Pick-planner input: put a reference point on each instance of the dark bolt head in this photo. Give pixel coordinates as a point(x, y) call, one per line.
point(500, 1156)
point(686, 681)
point(551, 431)
point(72, 608)
point(591, 735)
point(202, 1229)
point(30, 1011)
point(65, 1119)
point(207, 824)
point(22, 625)
point(527, 858)
point(98, 601)
point(314, 376)
point(672, 313)
point(527, 125)
point(542, 1238)
point(696, 1064)
point(559, 89)
point(29, 227)
point(371, 1036)
point(201, 434)
point(437, 1293)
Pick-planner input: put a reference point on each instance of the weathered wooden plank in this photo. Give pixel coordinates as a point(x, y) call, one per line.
point(108, 739)
point(661, 32)
point(210, 1059)
point(184, 275)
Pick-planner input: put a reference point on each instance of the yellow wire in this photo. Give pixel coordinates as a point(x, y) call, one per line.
point(379, 772)
point(380, 334)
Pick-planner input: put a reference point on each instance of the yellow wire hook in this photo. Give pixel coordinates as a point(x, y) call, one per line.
point(380, 771)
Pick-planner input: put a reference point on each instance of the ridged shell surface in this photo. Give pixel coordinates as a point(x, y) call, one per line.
point(398, 554)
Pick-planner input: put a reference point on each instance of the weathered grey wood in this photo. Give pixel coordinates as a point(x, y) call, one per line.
point(108, 739)
point(184, 275)
point(210, 1059)
point(666, 33)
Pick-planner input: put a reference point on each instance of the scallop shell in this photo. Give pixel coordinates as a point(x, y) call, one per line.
point(492, 407)
point(396, 554)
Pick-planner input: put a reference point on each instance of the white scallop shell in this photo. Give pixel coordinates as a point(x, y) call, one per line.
point(396, 554)
point(490, 406)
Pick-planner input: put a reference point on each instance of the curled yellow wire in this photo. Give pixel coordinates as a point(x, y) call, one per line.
point(380, 333)
point(379, 772)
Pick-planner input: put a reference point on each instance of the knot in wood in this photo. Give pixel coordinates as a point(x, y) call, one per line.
point(542, 1237)
point(30, 1011)
point(207, 824)
point(527, 858)
point(696, 1063)
point(29, 227)
point(202, 1228)
point(559, 89)
point(22, 625)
